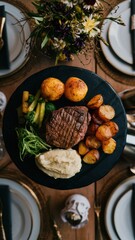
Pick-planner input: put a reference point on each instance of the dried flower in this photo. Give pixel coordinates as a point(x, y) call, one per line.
point(64, 27)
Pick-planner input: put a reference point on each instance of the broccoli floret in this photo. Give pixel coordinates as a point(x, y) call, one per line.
point(49, 108)
point(30, 117)
point(31, 99)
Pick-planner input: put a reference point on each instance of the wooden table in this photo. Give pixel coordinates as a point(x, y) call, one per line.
point(103, 186)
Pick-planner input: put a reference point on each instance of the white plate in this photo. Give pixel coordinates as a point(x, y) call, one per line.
point(24, 211)
point(111, 204)
point(120, 37)
point(18, 32)
point(109, 54)
point(122, 217)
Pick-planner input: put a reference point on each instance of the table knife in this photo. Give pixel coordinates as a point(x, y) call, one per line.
point(133, 29)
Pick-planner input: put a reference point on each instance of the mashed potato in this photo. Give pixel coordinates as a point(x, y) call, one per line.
point(59, 163)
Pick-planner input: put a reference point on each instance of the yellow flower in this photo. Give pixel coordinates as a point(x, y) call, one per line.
point(90, 26)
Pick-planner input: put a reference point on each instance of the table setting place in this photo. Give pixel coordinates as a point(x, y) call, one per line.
point(24, 210)
point(64, 128)
point(119, 53)
point(14, 38)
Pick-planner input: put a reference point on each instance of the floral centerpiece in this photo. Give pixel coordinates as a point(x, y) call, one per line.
point(65, 27)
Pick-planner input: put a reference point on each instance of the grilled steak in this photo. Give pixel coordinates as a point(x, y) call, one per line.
point(67, 126)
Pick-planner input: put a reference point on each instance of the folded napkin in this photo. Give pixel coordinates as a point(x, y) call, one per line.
point(4, 52)
point(5, 199)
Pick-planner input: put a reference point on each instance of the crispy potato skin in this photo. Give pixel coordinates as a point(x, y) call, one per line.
point(92, 156)
point(92, 128)
point(95, 117)
point(107, 130)
point(103, 132)
point(109, 146)
point(92, 142)
point(75, 89)
point(82, 148)
point(113, 127)
point(52, 89)
point(95, 102)
point(106, 112)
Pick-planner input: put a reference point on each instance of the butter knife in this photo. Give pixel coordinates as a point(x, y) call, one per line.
point(2, 230)
point(133, 29)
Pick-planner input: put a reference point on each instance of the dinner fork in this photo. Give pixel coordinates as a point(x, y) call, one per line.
point(2, 230)
point(97, 209)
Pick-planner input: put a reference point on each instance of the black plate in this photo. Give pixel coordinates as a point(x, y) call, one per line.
point(88, 173)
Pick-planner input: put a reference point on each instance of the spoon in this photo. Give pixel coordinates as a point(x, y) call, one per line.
point(2, 22)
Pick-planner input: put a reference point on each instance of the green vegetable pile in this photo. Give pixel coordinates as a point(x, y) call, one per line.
point(35, 107)
point(33, 111)
point(30, 143)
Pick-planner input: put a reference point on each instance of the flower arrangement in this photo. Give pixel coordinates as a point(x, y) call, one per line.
point(65, 27)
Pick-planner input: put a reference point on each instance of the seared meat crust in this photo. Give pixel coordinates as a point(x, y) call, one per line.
point(67, 126)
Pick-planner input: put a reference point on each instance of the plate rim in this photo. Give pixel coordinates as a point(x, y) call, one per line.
point(126, 184)
point(114, 59)
point(117, 51)
point(129, 192)
point(34, 190)
point(20, 26)
point(15, 201)
point(26, 48)
point(66, 182)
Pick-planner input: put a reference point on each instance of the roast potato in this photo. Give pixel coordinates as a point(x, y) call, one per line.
point(109, 146)
point(106, 112)
point(95, 102)
point(113, 127)
point(92, 142)
point(82, 148)
point(52, 89)
point(106, 131)
point(95, 117)
point(103, 132)
point(92, 156)
point(75, 89)
point(92, 128)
